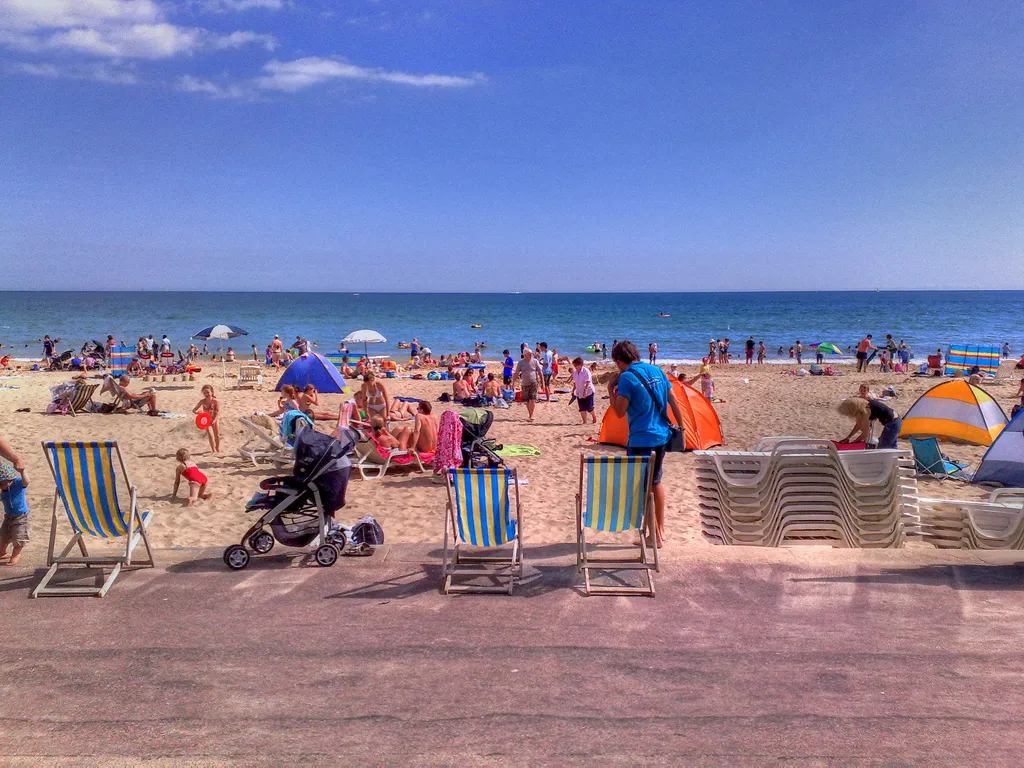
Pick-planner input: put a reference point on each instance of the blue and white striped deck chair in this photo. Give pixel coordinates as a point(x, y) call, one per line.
point(86, 476)
point(616, 496)
point(479, 514)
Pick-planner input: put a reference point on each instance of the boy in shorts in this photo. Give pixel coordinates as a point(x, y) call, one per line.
point(14, 529)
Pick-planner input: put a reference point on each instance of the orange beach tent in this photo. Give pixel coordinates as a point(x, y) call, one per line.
point(702, 428)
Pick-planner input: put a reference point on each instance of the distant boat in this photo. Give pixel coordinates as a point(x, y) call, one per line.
point(476, 326)
point(664, 314)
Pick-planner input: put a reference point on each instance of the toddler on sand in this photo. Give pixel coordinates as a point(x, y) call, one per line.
point(14, 529)
point(193, 475)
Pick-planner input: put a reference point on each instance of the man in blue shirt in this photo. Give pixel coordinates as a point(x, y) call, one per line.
point(507, 367)
point(648, 428)
point(14, 529)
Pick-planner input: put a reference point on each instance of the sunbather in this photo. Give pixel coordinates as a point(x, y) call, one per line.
point(289, 401)
point(119, 389)
point(376, 395)
point(382, 434)
point(422, 436)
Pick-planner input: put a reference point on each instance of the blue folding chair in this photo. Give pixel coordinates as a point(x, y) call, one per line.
point(930, 461)
point(616, 496)
point(86, 478)
point(480, 515)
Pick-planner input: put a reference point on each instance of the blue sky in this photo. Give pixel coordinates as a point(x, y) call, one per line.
point(313, 145)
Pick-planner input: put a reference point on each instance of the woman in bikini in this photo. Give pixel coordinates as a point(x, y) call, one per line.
point(376, 397)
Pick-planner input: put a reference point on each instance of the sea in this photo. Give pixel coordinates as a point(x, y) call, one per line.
point(681, 323)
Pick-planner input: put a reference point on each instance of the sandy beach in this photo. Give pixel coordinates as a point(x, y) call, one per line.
point(756, 401)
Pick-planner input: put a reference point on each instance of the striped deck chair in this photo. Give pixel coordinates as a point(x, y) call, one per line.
point(120, 359)
point(80, 397)
point(616, 496)
point(86, 478)
point(479, 515)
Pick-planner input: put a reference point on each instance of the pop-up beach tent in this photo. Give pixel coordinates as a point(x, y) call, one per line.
point(955, 410)
point(1004, 460)
point(963, 358)
point(701, 426)
point(316, 370)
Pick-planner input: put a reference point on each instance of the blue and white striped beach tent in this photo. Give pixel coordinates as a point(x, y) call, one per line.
point(1003, 462)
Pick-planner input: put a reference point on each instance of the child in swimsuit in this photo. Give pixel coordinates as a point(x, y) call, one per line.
point(195, 478)
point(210, 405)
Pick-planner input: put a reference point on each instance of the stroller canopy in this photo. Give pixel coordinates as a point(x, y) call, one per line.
point(322, 461)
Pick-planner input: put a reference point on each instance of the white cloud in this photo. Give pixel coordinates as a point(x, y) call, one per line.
point(191, 84)
point(223, 6)
point(98, 72)
point(37, 14)
point(135, 29)
point(302, 73)
point(239, 39)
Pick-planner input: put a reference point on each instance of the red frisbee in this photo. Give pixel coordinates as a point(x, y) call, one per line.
point(204, 420)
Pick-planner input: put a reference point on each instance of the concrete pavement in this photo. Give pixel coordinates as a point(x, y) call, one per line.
point(744, 658)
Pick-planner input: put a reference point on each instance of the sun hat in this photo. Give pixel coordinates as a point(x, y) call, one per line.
point(7, 473)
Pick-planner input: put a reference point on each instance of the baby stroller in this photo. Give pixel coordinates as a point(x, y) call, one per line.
point(477, 449)
point(298, 510)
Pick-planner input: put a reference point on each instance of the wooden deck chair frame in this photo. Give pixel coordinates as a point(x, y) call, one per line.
point(135, 532)
point(80, 397)
point(646, 563)
point(505, 569)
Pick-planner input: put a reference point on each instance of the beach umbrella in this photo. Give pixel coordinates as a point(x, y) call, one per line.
point(364, 337)
point(220, 332)
point(827, 347)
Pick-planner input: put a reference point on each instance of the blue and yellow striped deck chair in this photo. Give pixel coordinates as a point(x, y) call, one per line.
point(119, 360)
point(86, 478)
point(616, 496)
point(479, 514)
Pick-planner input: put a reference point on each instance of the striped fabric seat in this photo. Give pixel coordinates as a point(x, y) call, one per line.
point(85, 474)
point(616, 487)
point(336, 358)
point(119, 360)
point(80, 397)
point(480, 514)
point(482, 506)
point(615, 496)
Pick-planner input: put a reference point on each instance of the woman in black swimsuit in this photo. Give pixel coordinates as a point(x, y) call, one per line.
point(863, 412)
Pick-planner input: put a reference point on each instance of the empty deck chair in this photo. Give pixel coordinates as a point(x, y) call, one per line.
point(479, 514)
point(616, 496)
point(930, 461)
point(86, 478)
point(264, 447)
point(250, 376)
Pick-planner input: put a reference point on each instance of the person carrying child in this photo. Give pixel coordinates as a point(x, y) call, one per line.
point(210, 405)
point(197, 481)
point(15, 528)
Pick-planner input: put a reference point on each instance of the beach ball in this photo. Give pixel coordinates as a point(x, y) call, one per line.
point(204, 420)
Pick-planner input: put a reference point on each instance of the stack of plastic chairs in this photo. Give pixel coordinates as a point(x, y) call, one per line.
point(994, 524)
point(807, 492)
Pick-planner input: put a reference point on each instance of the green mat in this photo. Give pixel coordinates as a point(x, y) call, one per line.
point(519, 450)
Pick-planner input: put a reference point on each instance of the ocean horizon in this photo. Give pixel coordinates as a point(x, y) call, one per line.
point(925, 319)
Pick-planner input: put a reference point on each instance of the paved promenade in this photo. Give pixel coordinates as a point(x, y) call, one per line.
point(744, 658)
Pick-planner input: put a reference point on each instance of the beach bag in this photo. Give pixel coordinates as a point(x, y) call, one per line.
point(433, 376)
point(367, 531)
point(817, 371)
point(509, 395)
point(676, 443)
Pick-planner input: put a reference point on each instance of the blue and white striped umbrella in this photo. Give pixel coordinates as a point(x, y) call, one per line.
point(220, 332)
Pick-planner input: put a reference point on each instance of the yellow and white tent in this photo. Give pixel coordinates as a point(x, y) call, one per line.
point(955, 410)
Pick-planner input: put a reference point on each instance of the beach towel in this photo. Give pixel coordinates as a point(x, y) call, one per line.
point(518, 450)
point(449, 442)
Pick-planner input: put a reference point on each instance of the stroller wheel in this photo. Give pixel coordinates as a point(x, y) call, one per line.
point(325, 555)
point(236, 557)
point(261, 542)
